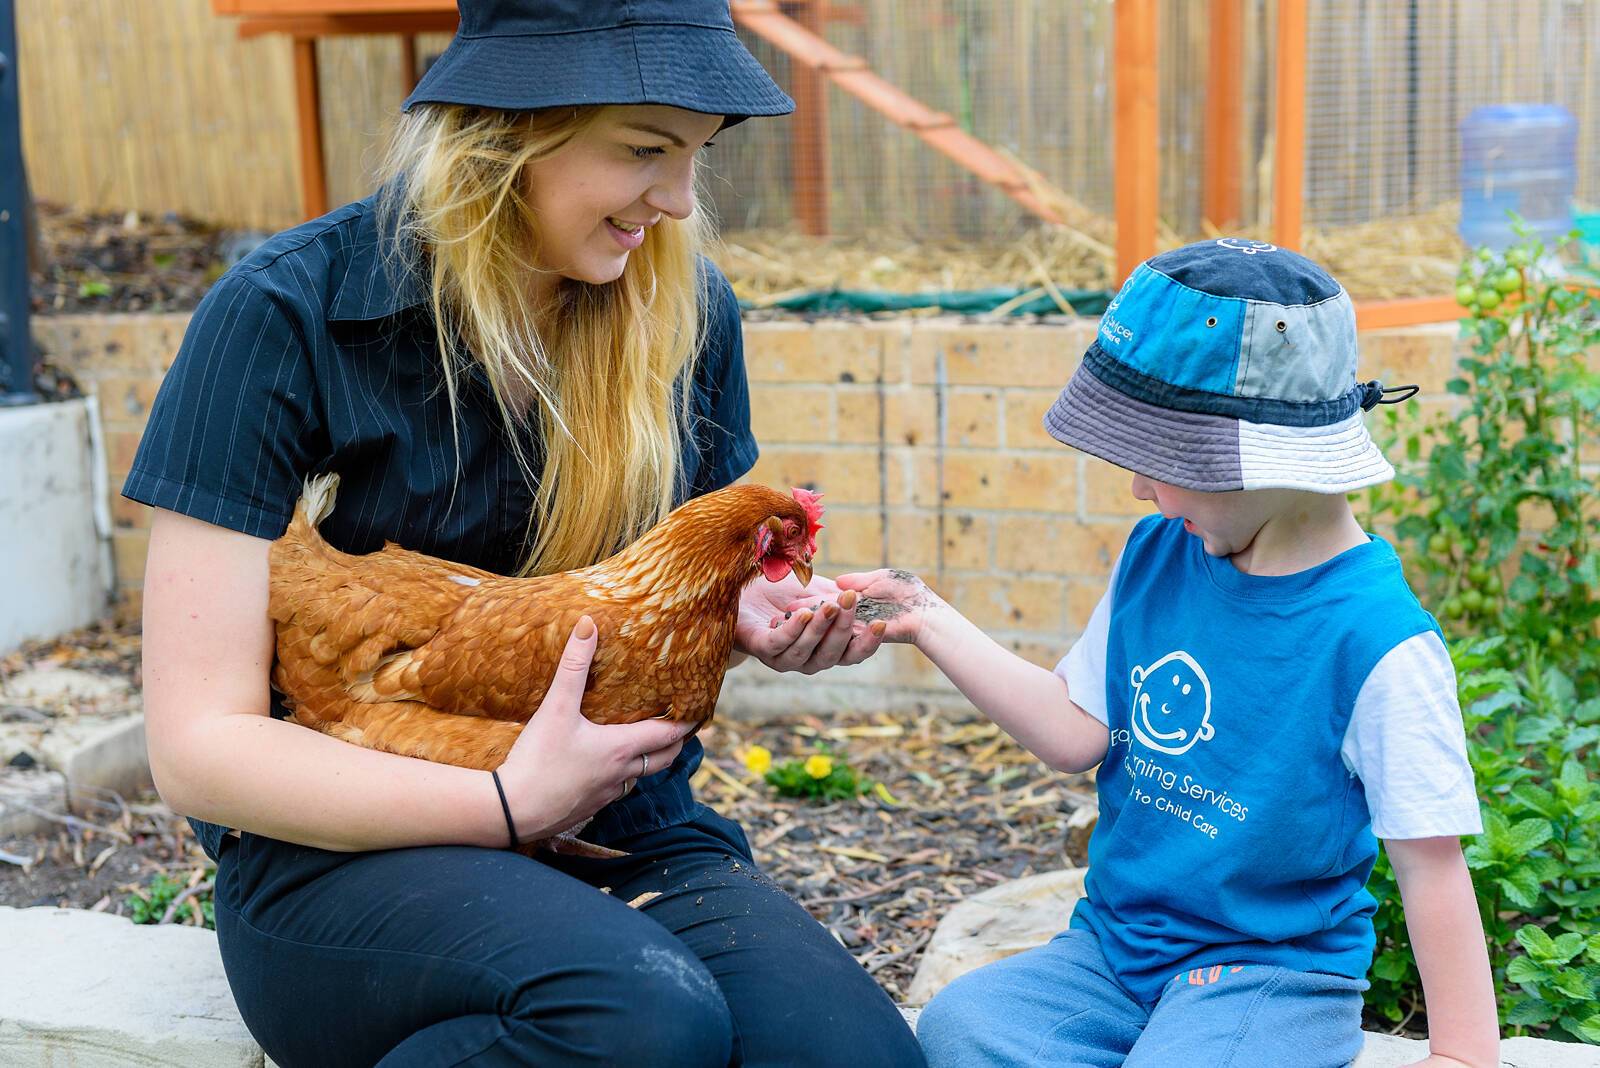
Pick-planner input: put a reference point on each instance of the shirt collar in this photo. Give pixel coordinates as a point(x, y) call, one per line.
point(376, 285)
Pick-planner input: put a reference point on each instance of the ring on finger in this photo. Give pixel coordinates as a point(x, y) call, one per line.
point(644, 766)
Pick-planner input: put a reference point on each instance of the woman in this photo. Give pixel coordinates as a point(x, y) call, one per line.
point(514, 357)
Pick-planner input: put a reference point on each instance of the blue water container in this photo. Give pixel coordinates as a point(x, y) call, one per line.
point(1521, 158)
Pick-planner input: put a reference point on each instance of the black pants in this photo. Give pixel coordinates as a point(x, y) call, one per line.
point(454, 955)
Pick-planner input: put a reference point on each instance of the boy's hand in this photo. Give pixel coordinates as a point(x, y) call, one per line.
point(901, 600)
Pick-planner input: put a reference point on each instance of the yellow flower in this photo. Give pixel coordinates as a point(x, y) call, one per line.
point(758, 758)
point(819, 766)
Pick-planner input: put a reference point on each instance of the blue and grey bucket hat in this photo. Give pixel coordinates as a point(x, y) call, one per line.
point(1227, 365)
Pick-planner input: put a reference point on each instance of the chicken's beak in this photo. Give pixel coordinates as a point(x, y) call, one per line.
point(802, 570)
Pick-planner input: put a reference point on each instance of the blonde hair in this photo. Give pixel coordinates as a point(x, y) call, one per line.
point(604, 375)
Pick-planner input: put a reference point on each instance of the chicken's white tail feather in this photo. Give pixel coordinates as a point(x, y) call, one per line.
point(318, 497)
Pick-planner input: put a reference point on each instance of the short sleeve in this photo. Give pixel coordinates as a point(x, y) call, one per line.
point(1084, 666)
point(232, 430)
point(721, 427)
point(1407, 745)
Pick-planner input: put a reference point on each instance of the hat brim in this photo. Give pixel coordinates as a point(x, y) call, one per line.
point(1213, 453)
point(697, 68)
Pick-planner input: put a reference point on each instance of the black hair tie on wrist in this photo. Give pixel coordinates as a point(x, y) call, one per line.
point(511, 828)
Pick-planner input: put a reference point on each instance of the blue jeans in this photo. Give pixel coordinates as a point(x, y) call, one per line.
point(453, 956)
point(1060, 1004)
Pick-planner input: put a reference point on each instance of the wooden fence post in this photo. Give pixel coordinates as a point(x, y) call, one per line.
point(1224, 80)
point(808, 129)
point(1289, 162)
point(1136, 136)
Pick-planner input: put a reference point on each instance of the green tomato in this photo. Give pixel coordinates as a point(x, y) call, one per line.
point(1466, 294)
point(1508, 281)
point(1439, 544)
point(1452, 607)
point(1488, 298)
point(1477, 574)
point(1517, 258)
point(1471, 600)
point(1492, 584)
point(1485, 254)
point(1555, 639)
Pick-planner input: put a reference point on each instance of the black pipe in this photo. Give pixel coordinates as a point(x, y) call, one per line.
point(16, 347)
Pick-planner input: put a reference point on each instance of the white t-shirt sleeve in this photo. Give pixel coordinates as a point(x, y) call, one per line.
point(1084, 666)
point(1407, 745)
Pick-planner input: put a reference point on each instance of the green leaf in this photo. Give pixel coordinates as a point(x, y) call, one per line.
point(1567, 946)
point(1395, 966)
point(1525, 970)
point(1458, 386)
point(1529, 834)
point(1539, 945)
point(1528, 1011)
point(1589, 1029)
point(1521, 886)
point(1574, 984)
point(1592, 948)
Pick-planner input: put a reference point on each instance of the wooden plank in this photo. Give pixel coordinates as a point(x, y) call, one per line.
point(348, 25)
point(1288, 177)
point(1413, 311)
point(1136, 138)
point(808, 129)
point(308, 107)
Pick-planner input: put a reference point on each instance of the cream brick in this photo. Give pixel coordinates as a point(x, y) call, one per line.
point(968, 539)
point(911, 416)
point(1033, 604)
point(1003, 355)
point(1081, 600)
point(1107, 490)
point(815, 352)
point(121, 445)
point(126, 399)
point(846, 475)
point(791, 413)
point(128, 548)
point(972, 418)
point(991, 479)
point(126, 514)
point(913, 540)
point(854, 536)
point(1024, 418)
point(1031, 544)
point(860, 415)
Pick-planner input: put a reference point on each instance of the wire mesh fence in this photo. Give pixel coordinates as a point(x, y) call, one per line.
point(841, 195)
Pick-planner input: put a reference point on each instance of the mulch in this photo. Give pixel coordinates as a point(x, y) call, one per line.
point(962, 808)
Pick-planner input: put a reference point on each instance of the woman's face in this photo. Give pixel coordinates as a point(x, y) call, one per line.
point(595, 198)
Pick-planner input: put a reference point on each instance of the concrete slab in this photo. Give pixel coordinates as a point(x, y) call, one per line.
point(55, 531)
point(96, 991)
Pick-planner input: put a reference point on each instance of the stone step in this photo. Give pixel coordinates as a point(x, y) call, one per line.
point(95, 991)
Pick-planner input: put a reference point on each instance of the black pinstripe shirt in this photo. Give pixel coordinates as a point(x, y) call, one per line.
point(308, 356)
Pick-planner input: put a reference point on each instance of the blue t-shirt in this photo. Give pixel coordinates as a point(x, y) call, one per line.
point(1230, 831)
point(308, 356)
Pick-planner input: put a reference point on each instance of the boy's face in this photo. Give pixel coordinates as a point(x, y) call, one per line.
point(1226, 523)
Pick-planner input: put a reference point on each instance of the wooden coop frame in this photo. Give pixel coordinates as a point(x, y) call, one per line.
point(796, 27)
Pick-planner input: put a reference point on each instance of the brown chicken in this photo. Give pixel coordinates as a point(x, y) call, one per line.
point(411, 654)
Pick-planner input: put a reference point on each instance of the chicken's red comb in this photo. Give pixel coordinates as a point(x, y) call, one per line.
point(812, 503)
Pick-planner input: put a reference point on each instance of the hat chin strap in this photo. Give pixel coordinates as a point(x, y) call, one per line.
point(1374, 393)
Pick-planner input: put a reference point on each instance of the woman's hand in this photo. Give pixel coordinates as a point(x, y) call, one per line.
point(901, 600)
point(810, 628)
point(563, 768)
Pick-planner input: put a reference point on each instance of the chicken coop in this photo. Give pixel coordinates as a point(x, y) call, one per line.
point(936, 145)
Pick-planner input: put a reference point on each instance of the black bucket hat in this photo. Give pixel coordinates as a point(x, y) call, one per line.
point(519, 55)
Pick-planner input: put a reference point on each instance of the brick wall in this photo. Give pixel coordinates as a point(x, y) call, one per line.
point(924, 434)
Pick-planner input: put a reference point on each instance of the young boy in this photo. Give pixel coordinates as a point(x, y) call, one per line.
point(1263, 695)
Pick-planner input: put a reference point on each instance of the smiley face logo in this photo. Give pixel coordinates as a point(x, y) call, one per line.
point(1172, 704)
point(1249, 248)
